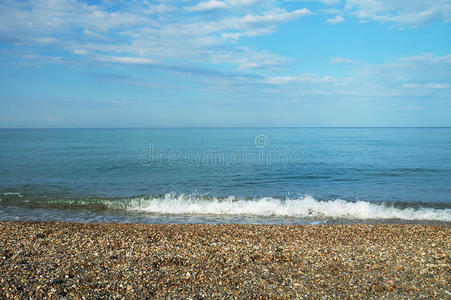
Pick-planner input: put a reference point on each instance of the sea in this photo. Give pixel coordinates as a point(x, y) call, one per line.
point(227, 175)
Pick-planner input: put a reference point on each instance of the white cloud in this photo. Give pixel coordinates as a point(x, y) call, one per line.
point(405, 78)
point(336, 20)
point(209, 41)
point(241, 2)
point(52, 59)
point(402, 13)
point(125, 60)
point(427, 58)
point(216, 4)
point(408, 76)
point(246, 58)
point(40, 20)
point(234, 36)
point(157, 31)
point(427, 85)
point(328, 2)
point(80, 51)
point(35, 60)
point(306, 78)
point(341, 60)
point(140, 36)
point(273, 18)
point(410, 13)
point(205, 6)
point(160, 9)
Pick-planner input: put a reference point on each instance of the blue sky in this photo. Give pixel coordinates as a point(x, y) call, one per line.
point(164, 63)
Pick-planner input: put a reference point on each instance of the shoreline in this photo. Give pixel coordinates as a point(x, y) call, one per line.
point(56, 259)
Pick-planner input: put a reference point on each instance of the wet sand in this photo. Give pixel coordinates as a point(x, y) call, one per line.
point(67, 260)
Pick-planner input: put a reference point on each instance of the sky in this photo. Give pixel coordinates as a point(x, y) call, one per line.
point(221, 63)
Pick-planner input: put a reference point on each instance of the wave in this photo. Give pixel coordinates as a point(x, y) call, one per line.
point(12, 194)
point(304, 207)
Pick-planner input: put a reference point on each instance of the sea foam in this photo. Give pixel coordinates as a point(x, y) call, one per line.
point(303, 207)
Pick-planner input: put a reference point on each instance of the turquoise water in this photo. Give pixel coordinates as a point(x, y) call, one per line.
point(237, 175)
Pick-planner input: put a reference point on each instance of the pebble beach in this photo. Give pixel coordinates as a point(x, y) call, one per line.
point(83, 260)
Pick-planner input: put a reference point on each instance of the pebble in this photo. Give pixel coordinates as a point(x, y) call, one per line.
point(76, 260)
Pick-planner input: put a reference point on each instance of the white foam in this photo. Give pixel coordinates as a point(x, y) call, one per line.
point(305, 207)
point(12, 194)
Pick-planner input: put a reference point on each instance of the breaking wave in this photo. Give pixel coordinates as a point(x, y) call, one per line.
point(305, 207)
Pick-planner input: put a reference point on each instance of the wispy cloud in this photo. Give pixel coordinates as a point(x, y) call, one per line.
point(341, 60)
point(141, 33)
point(213, 45)
point(412, 13)
point(205, 6)
point(406, 77)
point(125, 60)
point(336, 20)
point(434, 85)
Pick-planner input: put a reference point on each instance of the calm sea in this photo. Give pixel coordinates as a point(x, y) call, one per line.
point(227, 175)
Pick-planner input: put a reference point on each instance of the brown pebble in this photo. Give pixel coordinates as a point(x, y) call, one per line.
point(75, 260)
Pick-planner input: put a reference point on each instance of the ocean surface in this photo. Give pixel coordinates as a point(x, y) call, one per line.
point(227, 175)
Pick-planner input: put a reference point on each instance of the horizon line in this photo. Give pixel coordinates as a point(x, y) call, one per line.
point(222, 127)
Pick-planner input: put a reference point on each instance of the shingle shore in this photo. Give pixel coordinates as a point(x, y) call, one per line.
point(67, 260)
